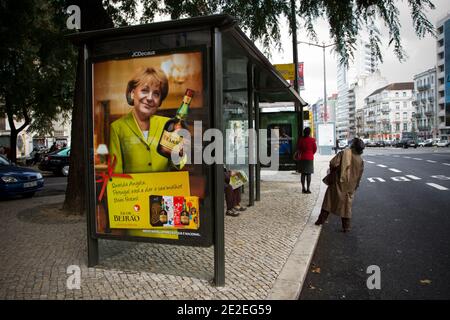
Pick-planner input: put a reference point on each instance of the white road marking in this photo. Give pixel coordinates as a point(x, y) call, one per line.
point(441, 177)
point(417, 159)
point(432, 161)
point(394, 170)
point(434, 185)
point(413, 177)
point(373, 179)
point(397, 156)
point(381, 165)
point(407, 157)
point(400, 179)
point(446, 164)
point(369, 161)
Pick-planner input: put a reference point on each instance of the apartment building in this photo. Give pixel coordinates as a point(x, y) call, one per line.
point(425, 117)
point(388, 112)
point(443, 77)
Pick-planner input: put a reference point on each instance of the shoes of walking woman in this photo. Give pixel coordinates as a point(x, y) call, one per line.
point(232, 212)
point(239, 208)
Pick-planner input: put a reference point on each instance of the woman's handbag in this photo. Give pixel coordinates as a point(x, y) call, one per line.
point(328, 179)
point(331, 176)
point(296, 156)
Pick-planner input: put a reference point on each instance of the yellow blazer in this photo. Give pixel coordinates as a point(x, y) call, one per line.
point(133, 152)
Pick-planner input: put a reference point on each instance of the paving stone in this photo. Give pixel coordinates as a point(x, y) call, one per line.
point(35, 253)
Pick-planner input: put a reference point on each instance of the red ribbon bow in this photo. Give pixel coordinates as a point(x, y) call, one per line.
point(105, 177)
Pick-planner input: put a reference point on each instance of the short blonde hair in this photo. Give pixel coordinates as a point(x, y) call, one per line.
point(148, 75)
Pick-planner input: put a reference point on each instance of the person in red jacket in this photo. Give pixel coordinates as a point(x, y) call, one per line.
point(306, 148)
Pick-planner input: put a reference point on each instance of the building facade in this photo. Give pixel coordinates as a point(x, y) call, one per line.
point(364, 64)
point(425, 89)
point(26, 140)
point(388, 112)
point(443, 77)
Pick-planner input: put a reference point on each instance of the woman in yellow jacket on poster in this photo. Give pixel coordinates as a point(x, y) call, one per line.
point(134, 137)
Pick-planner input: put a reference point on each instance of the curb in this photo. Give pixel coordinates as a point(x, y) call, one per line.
point(289, 283)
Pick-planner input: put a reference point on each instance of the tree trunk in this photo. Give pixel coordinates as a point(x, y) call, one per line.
point(12, 154)
point(93, 16)
point(75, 200)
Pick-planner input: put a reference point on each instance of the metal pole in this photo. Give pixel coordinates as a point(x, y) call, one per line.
point(250, 109)
point(219, 221)
point(92, 243)
point(324, 86)
point(298, 107)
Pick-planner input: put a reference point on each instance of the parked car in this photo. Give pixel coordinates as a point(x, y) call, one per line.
point(371, 143)
point(406, 143)
point(443, 143)
point(426, 143)
point(381, 143)
point(15, 180)
point(57, 161)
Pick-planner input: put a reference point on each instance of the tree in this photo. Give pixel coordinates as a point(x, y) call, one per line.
point(37, 68)
point(259, 18)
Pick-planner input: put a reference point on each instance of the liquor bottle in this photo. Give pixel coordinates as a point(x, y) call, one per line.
point(184, 214)
point(170, 139)
point(155, 209)
point(163, 212)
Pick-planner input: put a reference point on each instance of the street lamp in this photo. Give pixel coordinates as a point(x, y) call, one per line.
point(323, 46)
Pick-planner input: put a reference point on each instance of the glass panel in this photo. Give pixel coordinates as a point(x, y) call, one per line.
point(235, 104)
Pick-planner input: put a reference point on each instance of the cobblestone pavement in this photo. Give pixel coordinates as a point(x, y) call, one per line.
point(36, 249)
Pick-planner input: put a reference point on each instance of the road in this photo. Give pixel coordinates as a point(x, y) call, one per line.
point(401, 224)
point(53, 185)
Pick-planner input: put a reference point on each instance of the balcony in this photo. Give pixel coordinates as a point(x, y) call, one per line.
point(429, 113)
point(424, 128)
point(415, 103)
point(423, 87)
point(417, 115)
point(431, 99)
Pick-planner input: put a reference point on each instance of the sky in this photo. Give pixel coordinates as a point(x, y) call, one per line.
point(421, 52)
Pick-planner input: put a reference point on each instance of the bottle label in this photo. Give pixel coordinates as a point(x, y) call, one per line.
point(170, 140)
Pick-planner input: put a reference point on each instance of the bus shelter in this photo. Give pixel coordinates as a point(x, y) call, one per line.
point(203, 75)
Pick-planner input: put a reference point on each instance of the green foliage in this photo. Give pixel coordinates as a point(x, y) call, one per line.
point(261, 18)
point(37, 65)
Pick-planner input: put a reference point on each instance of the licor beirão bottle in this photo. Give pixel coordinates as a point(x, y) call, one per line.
point(170, 139)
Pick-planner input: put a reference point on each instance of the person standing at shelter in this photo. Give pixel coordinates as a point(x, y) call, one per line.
point(346, 170)
point(306, 148)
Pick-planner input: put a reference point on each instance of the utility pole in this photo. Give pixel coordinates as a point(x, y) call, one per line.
point(323, 46)
point(298, 106)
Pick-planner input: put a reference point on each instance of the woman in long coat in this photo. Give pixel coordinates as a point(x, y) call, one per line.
point(346, 170)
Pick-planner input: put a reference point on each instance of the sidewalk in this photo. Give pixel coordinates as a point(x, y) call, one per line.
point(267, 252)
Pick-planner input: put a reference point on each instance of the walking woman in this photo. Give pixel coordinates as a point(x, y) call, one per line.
point(306, 148)
point(346, 170)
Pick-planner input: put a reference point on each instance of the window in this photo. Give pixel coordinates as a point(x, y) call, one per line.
point(396, 94)
point(397, 127)
point(405, 127)
point(397, 106)
point(397, 116)
point(404, 93)
point(432, 79)
point(405, 115)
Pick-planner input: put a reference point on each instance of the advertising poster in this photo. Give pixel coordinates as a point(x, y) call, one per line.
point(301, 78)
point(140, 106)
point(282, 140)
